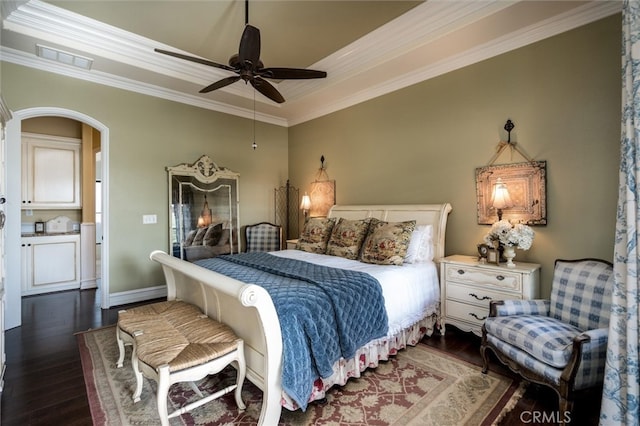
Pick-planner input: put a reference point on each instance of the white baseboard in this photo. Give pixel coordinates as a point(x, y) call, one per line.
point(139, 295)
point(88, 284)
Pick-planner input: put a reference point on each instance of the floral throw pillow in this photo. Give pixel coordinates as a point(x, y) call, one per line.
point(315, 235)
point(347, 237)
point(387, 242)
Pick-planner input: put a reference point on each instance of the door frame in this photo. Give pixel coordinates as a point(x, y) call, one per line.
point(13, 315)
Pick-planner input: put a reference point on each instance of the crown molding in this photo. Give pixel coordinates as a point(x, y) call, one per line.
point(582, 15)
point(38, 19)
point(425, 23)
point(31, 61)
point(5, 112)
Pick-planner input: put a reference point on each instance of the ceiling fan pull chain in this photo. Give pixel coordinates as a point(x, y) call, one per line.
point(254, 145)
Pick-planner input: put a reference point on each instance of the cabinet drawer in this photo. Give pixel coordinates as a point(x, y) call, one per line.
point(501, 279)
point(469, 313)
point(476, 295)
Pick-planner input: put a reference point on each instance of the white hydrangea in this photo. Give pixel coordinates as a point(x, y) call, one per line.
point(519, 235)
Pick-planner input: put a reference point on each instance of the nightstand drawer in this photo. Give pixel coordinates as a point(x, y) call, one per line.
point(475, 295)
point(469, 313)
point(468, 287)
point(484, 276)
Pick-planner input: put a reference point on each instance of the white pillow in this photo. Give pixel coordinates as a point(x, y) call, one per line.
point(421, 245)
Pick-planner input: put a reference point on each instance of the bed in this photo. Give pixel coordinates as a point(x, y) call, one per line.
point(250, 310)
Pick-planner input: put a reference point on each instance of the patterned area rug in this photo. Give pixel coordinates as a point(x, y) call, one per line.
point(419, 386)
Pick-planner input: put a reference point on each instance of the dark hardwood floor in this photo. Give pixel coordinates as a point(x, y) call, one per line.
point(44, 383)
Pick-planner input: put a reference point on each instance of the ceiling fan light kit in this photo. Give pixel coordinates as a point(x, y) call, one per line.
point(248, 67)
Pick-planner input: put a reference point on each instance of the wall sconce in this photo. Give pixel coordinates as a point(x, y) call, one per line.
point(305, 205)
point(500, 198)
point(527, 194)
point(205, 215)
point(322, 193)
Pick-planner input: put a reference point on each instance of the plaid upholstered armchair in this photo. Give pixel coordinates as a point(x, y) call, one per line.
point(263, 236)
point(561, 342)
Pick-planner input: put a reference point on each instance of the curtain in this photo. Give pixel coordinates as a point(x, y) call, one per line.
point(621, 391)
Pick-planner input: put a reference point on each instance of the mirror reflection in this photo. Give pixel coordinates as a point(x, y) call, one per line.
point(204, 220)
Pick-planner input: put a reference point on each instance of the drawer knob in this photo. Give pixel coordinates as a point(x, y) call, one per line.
point(477, 317)
point(478, 298)
point(460, 271)
point(500, 277)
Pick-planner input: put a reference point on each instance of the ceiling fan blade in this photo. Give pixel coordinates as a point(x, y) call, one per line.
point(195, 59)
point(249, 51)
point(221, 83)
point(291, 73)
point(264, 87)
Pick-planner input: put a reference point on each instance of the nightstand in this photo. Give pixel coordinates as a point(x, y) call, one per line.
point(291, 244)
point(467, 287)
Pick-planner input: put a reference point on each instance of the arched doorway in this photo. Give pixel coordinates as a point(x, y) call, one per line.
point(13, 252)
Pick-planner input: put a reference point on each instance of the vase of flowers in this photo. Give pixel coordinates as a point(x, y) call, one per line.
point(511, 237)
point(510, 254)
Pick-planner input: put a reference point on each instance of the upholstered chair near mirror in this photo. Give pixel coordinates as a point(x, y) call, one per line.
point(203, 210)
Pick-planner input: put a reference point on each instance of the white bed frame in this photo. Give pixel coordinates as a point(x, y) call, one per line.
point(248, 308)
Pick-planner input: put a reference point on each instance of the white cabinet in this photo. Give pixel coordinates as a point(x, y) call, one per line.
point(50, 172)
point(468, 286)
point(50, 263)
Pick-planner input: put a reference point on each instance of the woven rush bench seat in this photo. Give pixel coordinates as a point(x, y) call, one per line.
point(175, 342)
point(174, 311)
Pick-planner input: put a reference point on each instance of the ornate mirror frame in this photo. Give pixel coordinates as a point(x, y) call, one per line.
point(526, 183)
point(202, 189)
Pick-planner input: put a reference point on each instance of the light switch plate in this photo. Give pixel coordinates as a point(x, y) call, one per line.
point(148, 219)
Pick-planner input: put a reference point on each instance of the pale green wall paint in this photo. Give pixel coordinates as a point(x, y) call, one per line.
point(422, 144)
point(418, 145)
point(146, 135)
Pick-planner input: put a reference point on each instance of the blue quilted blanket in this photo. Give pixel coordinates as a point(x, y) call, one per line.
point(325, 313)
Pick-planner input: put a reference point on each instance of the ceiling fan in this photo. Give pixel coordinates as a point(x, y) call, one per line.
point(246, 64)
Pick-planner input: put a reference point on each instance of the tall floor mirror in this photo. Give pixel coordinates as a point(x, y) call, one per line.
point(203, 210)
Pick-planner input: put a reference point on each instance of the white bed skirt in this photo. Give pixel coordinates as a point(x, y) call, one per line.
point(368, 356)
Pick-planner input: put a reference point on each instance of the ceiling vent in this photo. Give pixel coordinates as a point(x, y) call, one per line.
point(64, 57)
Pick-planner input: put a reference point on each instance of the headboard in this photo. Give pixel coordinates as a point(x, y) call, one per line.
point(423, 214)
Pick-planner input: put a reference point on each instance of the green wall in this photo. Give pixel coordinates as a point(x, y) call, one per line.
point(420, 144)
point(148, 134)
point(423, 143)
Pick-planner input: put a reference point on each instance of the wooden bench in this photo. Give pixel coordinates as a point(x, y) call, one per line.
point(175, 342)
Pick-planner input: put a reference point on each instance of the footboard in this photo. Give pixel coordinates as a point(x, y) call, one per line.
point(247, 309)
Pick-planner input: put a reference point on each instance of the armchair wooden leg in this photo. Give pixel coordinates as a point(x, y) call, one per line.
point(485, 359)
point(483, 351)
point(565, 406)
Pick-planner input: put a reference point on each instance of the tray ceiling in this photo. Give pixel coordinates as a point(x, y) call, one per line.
point(367, 48)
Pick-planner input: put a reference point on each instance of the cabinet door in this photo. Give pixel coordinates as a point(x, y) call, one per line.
point(52, 264)
point(51, 177)
point(25, 265)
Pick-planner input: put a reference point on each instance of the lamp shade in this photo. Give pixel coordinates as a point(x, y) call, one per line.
point(500, 198)
point(306, 202)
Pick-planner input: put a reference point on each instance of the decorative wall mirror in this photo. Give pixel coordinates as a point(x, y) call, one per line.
point(204, 220)
point(521, 196)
